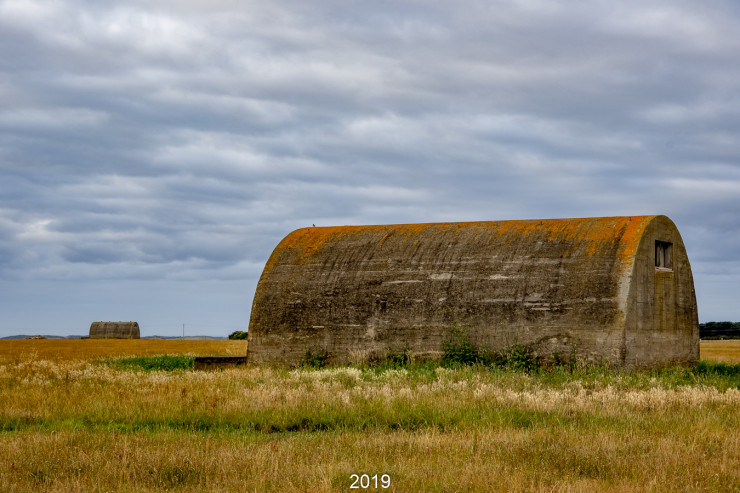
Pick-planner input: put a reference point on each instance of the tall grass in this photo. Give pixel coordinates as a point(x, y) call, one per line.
point(86, 426)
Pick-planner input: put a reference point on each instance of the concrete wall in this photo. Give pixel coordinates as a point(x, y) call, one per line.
point(556, 285)
point(663, 322)
point(114, 330)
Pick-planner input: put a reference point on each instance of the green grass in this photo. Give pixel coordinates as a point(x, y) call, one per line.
point(153, 363)
point(714, 368)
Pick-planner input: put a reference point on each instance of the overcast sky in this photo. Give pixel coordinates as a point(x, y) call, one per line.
point(152, 154)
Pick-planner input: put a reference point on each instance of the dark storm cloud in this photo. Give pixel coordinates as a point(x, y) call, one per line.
point(180, 141)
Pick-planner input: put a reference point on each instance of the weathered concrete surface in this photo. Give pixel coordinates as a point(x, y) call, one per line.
point(584, 285)
point(114, 330)
point(662, 323)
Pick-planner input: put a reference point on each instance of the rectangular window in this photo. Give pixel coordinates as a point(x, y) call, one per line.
point(663, 255)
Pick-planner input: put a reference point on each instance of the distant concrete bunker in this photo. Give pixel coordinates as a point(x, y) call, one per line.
point(617, 290)
point(114, 330)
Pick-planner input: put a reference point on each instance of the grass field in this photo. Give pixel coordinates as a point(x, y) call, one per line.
point(85, 349)
point(727, 351)
point(70, 420)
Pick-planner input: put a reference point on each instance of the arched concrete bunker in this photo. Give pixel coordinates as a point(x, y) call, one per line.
point(615, 289)
point(114, 330)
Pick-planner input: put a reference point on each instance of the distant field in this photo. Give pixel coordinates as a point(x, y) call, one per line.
point(72, 349)
point(83, 349)
point(726, 351)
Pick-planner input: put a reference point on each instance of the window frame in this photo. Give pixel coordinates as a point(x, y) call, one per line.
point(663, 259)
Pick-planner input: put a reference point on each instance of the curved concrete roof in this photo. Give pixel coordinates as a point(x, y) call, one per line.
point(304, 245)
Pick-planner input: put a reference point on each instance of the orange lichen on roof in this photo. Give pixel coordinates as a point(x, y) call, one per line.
point(306, 241)
point(595, 232)
point(598, 231)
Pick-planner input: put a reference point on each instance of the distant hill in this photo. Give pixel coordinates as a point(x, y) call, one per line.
point(28, 336)
point(189, 338)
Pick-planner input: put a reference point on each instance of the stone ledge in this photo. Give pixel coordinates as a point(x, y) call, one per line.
point(218, 362)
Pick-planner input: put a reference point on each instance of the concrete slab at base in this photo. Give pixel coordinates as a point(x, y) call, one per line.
point(218, 362)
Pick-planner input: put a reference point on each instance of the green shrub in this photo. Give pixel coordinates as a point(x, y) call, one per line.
point(458, 349)
point(154, 363)
point(315, 360)
point(518, 357)
point(238, 335)
point(397, 359)
point(560, 361)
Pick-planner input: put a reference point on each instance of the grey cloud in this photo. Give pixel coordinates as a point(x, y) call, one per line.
point(182, 140)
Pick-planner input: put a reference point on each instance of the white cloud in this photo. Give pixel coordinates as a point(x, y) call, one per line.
point(29, 13)
point(705, 188)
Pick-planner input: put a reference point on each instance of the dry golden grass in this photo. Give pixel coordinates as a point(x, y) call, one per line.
point(76, 424)
point(84, 349)
point(725, 351)
point(483, 460)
